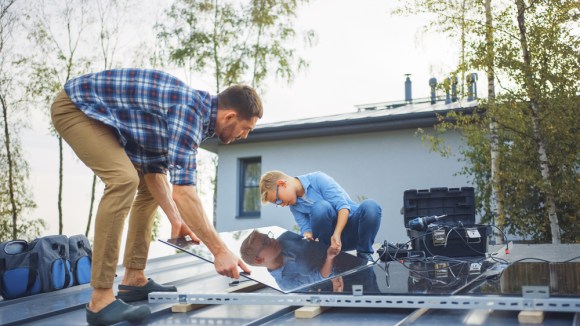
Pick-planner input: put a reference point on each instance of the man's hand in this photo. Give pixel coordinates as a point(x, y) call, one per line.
point(335, 242)
point(308, 236)
point(179, 230)
point(226, 264)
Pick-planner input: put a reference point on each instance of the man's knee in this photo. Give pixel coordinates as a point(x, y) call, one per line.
point(128, 180)
point(321, 209)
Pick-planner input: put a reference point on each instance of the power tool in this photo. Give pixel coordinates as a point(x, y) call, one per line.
point(421, 223)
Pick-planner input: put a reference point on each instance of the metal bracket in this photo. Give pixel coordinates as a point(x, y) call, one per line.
point(535, 291)
point(374, 301)
point(357, 290)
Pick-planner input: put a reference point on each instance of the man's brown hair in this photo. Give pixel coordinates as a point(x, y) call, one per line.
point(243, 99)
point(249, 250)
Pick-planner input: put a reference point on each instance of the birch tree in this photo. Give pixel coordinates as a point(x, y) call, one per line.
point(111, 21)
point(526, 155)
point(57, 31)
point(235, 41)
point(15, 197)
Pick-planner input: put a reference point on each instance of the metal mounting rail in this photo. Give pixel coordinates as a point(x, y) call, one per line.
point(373, 301)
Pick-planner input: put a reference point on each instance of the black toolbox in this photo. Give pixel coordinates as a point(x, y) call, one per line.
point(456, 234)
point(457, 203)
point(451, 241)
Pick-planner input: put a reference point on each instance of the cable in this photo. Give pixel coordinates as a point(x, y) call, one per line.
point(433, 259)
point(571, 259)
point(505, 240)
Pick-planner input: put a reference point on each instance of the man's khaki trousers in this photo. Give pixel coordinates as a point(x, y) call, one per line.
point(97, 146)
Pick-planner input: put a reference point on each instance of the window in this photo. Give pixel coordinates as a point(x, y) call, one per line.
point(249, 187)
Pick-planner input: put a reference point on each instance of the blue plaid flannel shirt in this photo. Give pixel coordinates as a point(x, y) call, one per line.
point(158, 119)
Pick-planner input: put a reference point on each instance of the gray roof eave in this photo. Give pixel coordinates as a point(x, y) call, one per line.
point(335, 128)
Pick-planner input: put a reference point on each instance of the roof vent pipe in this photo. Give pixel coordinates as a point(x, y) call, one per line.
point(454, 82)
point(447, 86)
point(408, 94)
point(472, 86)
point(433, 84)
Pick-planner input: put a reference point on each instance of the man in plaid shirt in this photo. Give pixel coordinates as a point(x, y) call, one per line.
point(131, 127)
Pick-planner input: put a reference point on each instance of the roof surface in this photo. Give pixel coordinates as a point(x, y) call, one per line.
point(368, 119)
point(192, 275)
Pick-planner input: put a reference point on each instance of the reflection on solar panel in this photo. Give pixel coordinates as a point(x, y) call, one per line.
point(279, 258)
point(288, 263)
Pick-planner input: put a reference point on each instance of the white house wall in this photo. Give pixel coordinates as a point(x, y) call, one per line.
point(378, 165)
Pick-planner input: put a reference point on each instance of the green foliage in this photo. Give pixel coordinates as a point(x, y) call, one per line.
point(552, 81)
point(234, 41)
point(519, 175)
point(57, 37)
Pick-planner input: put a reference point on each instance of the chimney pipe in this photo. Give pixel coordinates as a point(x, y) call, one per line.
point(454, 82)
point(408, 94)
point(433, 84)
point(472, 86)
point(447, 86)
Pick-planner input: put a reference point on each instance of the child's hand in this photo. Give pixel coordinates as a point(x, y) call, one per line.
point(308, 236)
point(331, 253)
point(337, 284)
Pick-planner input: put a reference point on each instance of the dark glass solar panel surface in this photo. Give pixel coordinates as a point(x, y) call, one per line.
point(299, 263)
point(435, 277)
point(562, 279)
point(302, 262)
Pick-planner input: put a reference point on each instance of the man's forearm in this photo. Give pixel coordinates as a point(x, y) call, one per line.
point(326, 268)
point(160, 189)
point(191, 210)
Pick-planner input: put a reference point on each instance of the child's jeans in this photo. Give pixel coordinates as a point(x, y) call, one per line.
point(360, 230)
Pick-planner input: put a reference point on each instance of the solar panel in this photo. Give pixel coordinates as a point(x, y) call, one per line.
point(285, 261)
point(278, 258)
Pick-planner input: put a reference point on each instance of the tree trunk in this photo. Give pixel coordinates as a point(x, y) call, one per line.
point(216, 58)
point(531, 90)
point(91, 205)
point(463, 41)
point(257, 46)
point(60, 181)
point(215, 189)
point(217, 84)
point(10, 168)
point(497, 209)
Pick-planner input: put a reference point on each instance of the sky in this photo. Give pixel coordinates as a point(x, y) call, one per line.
point(362, 55)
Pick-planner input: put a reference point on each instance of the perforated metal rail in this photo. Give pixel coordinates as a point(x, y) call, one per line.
point(370, 301)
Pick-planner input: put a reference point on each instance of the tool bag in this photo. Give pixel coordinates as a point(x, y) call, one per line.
point(42, 265)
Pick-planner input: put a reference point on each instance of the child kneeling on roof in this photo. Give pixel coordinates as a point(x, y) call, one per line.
point(324, 211)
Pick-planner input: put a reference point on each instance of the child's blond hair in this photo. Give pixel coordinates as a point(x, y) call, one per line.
point(268, 182)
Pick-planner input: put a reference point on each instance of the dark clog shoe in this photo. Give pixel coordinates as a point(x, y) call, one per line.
point(116, 312)
point(136, 293)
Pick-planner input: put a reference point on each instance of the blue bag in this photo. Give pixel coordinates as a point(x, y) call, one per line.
point(54, 267)
point(80, 254)
point(18, 270)
point(42, 265)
